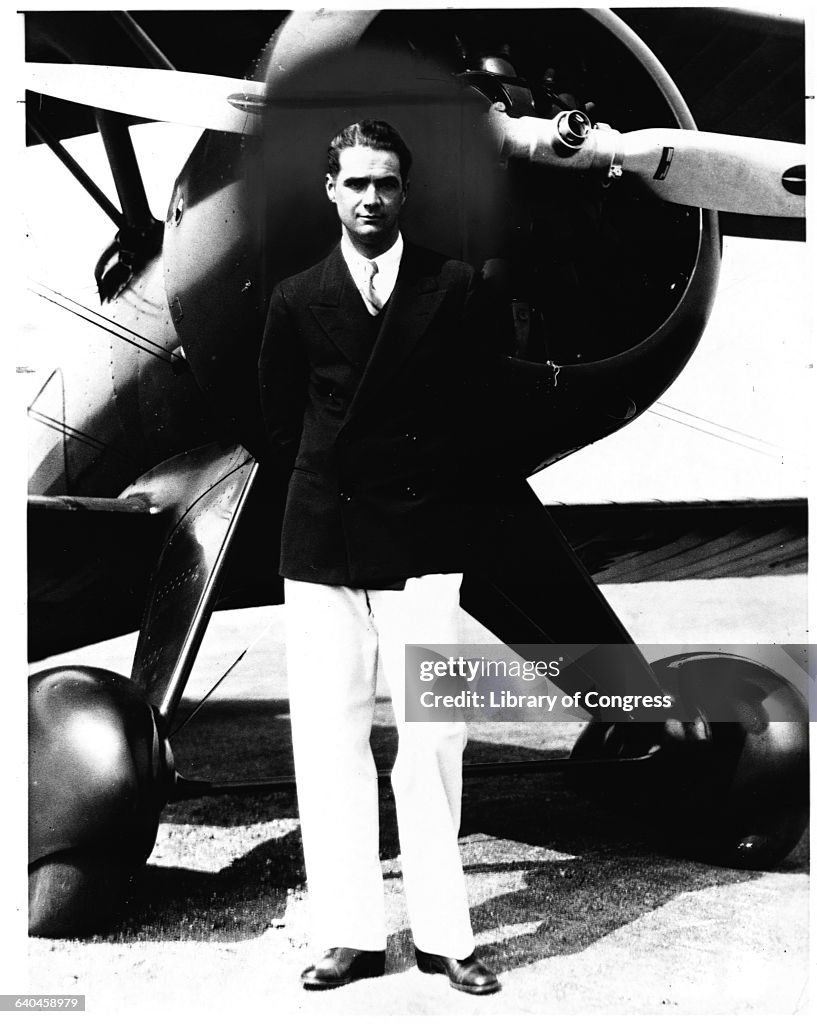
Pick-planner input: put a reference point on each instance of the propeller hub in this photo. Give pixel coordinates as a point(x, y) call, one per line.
point(572, 128)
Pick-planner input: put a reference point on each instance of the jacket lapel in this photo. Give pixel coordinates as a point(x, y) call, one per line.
point(328, 309)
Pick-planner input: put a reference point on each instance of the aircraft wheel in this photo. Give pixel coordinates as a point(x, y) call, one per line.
point(100, 772)
point(729, 783)
point(75, 893)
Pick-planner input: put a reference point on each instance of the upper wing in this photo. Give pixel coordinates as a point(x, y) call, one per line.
point(216, 43)
point(156, 94)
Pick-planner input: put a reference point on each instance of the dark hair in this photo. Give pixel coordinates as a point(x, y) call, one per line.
point(375, 135)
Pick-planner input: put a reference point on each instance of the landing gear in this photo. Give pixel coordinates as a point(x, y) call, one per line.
point(99, 774)
point(100, 766)
point(729, 784)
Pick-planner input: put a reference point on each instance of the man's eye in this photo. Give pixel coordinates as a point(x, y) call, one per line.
point(383, 188)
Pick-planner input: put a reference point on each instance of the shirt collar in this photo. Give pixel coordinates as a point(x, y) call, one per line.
point(388, 262)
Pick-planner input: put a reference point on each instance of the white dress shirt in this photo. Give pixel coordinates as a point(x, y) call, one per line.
point(388, 264)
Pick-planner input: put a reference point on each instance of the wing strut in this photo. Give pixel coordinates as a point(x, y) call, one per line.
point(137, 34)
point(125, 170)
point(62, 154)
point(140, 235)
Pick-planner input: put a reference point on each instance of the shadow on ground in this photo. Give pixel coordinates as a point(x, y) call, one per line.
point(607, 869)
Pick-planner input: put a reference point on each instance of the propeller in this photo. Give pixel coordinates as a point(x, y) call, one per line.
point(705, 169)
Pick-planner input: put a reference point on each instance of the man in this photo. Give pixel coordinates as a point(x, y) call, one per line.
point(364, 370)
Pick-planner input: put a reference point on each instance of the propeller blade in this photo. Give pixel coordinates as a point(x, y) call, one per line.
point(202, 101)
point(717, 172)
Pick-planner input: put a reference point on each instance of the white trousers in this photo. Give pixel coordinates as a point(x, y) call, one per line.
point(336, 636)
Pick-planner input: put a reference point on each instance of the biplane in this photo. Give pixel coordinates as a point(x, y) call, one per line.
point(562, 157)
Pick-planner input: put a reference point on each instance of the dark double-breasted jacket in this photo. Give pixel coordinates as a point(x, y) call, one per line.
point(379, 420)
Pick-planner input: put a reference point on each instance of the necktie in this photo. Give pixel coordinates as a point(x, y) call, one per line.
point(373, 303)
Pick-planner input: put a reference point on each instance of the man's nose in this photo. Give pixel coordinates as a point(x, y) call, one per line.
point(371, 196)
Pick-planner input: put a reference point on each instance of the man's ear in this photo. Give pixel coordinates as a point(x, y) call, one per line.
point(405, 191)
point(330, 188)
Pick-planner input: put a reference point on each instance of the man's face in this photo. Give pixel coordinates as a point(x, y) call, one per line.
point(369, 194)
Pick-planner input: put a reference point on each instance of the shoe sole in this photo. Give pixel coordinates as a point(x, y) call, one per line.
point(476, 990)
point(471, 990)
point(317, 986)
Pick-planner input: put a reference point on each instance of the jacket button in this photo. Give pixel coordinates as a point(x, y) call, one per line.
point(345, 497)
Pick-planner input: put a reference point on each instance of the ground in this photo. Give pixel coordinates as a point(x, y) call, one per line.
point(580, 907)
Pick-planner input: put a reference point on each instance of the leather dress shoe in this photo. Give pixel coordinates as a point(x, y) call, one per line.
point(468, 975)
point(340, 965)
